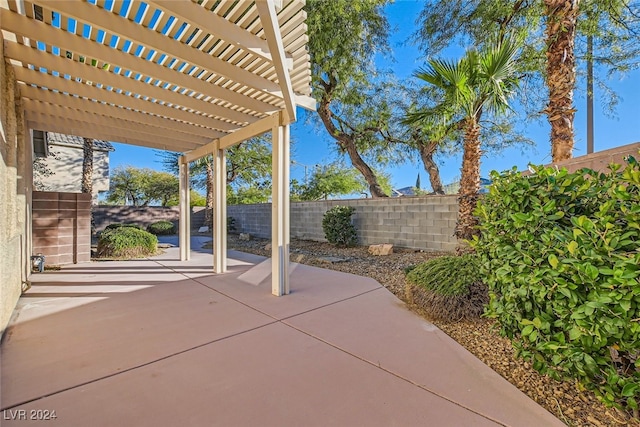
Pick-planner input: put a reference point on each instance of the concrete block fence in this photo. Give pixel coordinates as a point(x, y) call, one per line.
point(62, 227)
point(426, 222)
point(105, 215)
point(600, 160)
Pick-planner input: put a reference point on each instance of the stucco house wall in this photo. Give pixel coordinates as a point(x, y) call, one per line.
point(15, 194)
point(65, 161)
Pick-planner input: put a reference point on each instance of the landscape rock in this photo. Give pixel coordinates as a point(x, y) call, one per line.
point(382, 249)
point(267, 247)
point(297, 258)
point(203, 229)
point(245, 236)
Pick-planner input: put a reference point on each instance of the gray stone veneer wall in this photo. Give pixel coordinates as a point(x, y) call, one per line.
point(426, 222)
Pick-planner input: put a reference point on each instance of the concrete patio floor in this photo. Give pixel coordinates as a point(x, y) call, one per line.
point(160, 342)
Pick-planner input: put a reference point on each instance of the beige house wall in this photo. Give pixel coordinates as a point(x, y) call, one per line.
point(15, 197)
point(66, 163)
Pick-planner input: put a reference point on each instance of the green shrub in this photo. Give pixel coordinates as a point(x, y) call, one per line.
point(448, 288)
point(231, 224)
point(115, 225)
point(560, 253)
point(161, 228)
point(337, 226)
point(126, 242)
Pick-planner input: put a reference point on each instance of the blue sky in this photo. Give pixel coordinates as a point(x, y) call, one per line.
point(312, 145)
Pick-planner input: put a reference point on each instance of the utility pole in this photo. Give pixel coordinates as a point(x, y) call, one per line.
point(293, 162)
point(589, 94)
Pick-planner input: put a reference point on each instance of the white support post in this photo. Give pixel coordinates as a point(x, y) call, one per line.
point(280, 211)
point(185, 211)
point(286, 200)
point(220, 211)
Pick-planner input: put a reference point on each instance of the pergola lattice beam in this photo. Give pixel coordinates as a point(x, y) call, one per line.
point(92, 74)
point(192, 13)
point(103, 95)
point(116, 112)
point(267, 12)
point(80, 46)
point(254, 129)
point(129, 124)
point(73, 127)
point(82, 122)
point(100, 18)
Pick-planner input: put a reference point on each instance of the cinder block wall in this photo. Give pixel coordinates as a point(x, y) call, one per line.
point(105, 215)
point(601, 160)
point(413, 222)
point(62, 227)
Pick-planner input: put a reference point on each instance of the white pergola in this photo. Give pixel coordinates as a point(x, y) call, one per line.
point(195, 77)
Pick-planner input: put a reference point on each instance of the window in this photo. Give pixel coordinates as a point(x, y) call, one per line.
point(40, 145)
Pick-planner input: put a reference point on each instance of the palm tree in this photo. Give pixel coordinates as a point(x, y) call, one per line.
point(206, 162)
point(479, 82)
point(87, 166)
point(561, 18)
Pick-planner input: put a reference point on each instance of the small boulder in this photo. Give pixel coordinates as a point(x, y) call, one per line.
point(245, 236)
point(267, 247)
point(297, 258)
point(382, 249)
point(203, 229)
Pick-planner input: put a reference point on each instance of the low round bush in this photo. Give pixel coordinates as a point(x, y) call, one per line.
point(161, 228)
point(126, 242)
point(337, 226)
point(448, 288)
point(115, 225)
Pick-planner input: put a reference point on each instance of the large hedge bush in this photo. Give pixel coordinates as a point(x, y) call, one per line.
point(161, 228)
point(560, 253)
point(448, 288)
point(337, 226)
point(126, 242)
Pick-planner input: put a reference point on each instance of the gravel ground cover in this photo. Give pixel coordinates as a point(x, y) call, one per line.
point(567, 401)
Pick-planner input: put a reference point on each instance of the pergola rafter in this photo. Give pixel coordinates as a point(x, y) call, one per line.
point(128, 125)
point(193, 76)
point(116, 112)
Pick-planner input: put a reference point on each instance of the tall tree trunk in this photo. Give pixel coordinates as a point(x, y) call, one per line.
point(348, 144)
point(561, 16)
point(208, 211)
point(358, 162)
point(86, 186)
point(427, 151)
point(470, 181)
point(87, 166)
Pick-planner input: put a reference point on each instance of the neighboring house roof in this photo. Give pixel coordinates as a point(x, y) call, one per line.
point(405, 191)
point(455, 186)
point(72, 140)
